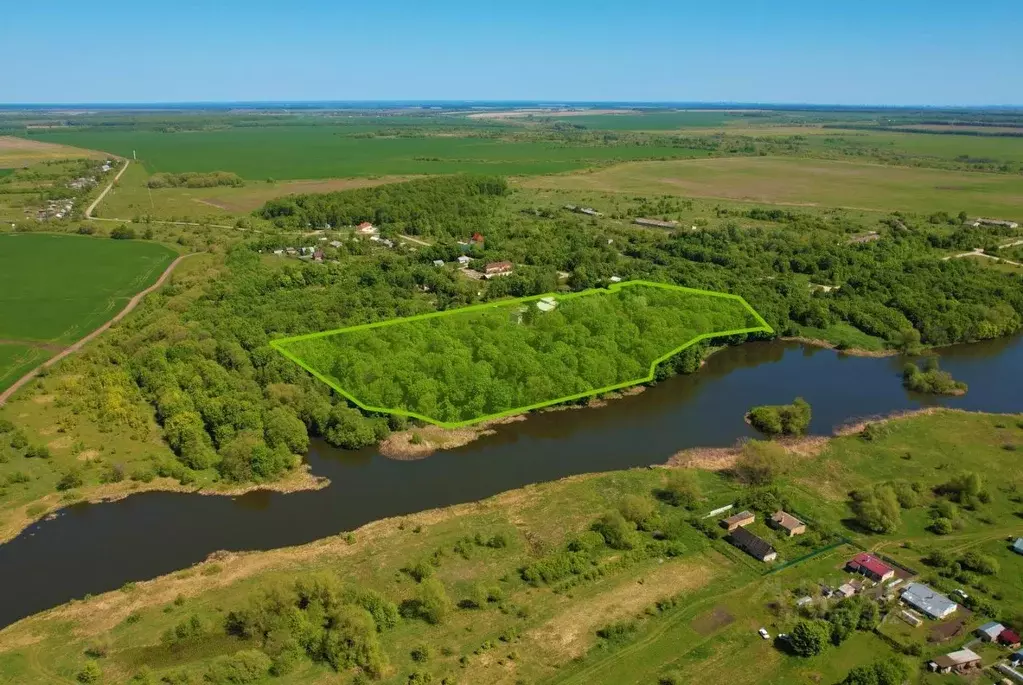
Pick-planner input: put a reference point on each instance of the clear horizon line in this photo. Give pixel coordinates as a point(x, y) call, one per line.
point(547, 102)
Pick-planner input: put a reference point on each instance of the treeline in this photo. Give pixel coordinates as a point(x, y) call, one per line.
point(191, 179)
point(446, 206)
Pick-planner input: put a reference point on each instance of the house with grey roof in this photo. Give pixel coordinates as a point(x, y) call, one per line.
point(927, 601)
point(1017, 546)
point(990, 631)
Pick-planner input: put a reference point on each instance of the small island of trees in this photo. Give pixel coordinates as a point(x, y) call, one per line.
point(931, 379)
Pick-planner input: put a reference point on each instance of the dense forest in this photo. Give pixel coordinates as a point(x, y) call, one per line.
point(478, 363)
point(448, 206)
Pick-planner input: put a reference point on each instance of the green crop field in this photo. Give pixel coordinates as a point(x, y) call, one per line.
point(998, 149)
point(16, 360)
point(466, 365)
point(808, 182)
point(297, 152)
point(57, 288)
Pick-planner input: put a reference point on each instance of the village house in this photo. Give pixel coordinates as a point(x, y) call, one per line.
point(846, 590)
point(463, 260)
point(1016, 657)
point(476, 239)
point(743, 518)
point(960, 662)
point(990, 631)
point(928, 602)
point(366, 228)
point(1009, 638)
point(279, 253)
point(335, 244)
point(1017, 546)
point(498, 269)
point(655, 223)
point(438, 262)
point(756, 547)
point(871, 567)
point(318, 256)
point(787, 522)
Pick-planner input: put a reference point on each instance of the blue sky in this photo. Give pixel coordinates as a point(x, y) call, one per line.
point(788, 51)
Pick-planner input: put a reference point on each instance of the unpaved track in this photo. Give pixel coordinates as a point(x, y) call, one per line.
point(95, 203)
point(132, 303)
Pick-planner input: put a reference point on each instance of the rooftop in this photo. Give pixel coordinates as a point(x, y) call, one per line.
point(786, 520)
point(871, 563)
point(927, 600)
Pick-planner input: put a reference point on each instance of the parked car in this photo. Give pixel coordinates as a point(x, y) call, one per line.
point(764, 634)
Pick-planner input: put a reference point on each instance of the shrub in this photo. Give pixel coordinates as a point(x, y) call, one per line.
point(421, 653)
point(636, 508)
point(782, 419)
point(419, 571)
point(877, 509)
point(681, 489)
point(246, 666)
point(619, 632)
point(90, 673)
point(809, 638)
point(616, 531)
point(71, 479)
point(760, 462)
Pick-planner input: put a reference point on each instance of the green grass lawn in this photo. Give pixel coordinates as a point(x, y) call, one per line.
point(57, 288)
point(308, 152)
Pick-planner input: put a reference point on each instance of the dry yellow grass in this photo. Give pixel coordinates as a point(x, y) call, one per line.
point(18, 152)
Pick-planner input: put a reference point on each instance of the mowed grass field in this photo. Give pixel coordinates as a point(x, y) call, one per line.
point(807, 182)
point(131, 196)
point(19, 152)
point(57, 288)
point(314, 152)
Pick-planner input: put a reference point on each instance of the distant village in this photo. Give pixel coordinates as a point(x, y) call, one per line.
point(916, 605)
point(62, 208)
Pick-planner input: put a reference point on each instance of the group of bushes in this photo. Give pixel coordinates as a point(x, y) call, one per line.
point(811, 636)
point(878, 509)
point(195, 180)
point(931, 379)
point(781, 419)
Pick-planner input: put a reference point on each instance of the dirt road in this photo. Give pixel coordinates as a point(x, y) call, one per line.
point(132, 303)
point(88, 211)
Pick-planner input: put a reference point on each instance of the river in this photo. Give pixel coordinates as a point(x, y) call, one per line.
point(92, 548)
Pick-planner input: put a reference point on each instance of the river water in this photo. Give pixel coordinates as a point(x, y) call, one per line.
point(92, 548)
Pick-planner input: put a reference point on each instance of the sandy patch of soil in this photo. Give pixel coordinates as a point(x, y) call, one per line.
point(419, 443)
point(707, 623)
point(87, 455)
point(721, 458)
point(60, 443)
point(571, 632)
point(857, 426)
point(852, 352)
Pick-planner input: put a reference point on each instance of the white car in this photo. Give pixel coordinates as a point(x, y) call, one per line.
point(764, 634)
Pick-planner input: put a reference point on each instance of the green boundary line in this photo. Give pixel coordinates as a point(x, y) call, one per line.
point(280, 343)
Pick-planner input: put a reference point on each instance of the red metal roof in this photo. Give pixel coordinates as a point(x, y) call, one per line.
point(1008, 637)
point(871, 563)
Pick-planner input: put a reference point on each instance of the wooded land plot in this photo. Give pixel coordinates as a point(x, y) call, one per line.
point(467, 365)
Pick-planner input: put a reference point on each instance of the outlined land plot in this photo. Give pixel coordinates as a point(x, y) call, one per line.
point(463, 366)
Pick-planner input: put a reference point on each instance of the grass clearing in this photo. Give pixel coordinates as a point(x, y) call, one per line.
point(806, 182)
point(314, 152)
point(57, 288)
point(16, 360)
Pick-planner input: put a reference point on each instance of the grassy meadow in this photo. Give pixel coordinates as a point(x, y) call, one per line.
point(314, 152)
point(16, 360)
point(806, 182)
point(57, 288)
point(19, 152)
point(687, 610)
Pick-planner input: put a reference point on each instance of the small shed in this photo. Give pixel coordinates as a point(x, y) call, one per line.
point(743, 518)
point(990, 631)
point(1017, 546)
point(438, 262)
point(787, 522)
point(1009, 638)
point(464, 260)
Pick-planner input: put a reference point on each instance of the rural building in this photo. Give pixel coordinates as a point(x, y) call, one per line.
point(787, 522)
point(1016, 657)
point(871, 567)
point(868, 238)
point(994, 222)
point(926, 600)
point(366, 228)
point(911, 617)
point(590, 211)
point(1009, 638)
point(318, 256)
point(463, 260)
point(498, 269)
point(279, 253)
point(1017, 546)
point(476, 239)
point(438, 262)
point(743, 518)
point(846, 590)
point(752, 545)
point(655, 223)
point(546, 304)
point(960, 662)
point(335, 244)
point(1015, 674)
point(989, 632)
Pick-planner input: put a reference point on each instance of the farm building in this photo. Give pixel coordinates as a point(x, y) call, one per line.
point(846, 590)
point(655, 223)
point(438, 262)
point(994, 222)
point(498, 269)
point(989, 632)
point(366, 228)
point(1006, 669)
point(752, 545)
point(962, 661)
point(787, 522)
point(743, 518)
point(463, 260)
point(476, 239)
point(1017, 546)
point(1016, 657)
point(926, 600)
point(871, 567)
point(335, 244)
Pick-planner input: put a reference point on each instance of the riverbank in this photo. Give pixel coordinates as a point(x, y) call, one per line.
point(851, 351)
point(546, 633)
point(49, 506)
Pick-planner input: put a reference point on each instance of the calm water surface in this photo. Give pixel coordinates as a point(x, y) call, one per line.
point(91, 548)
